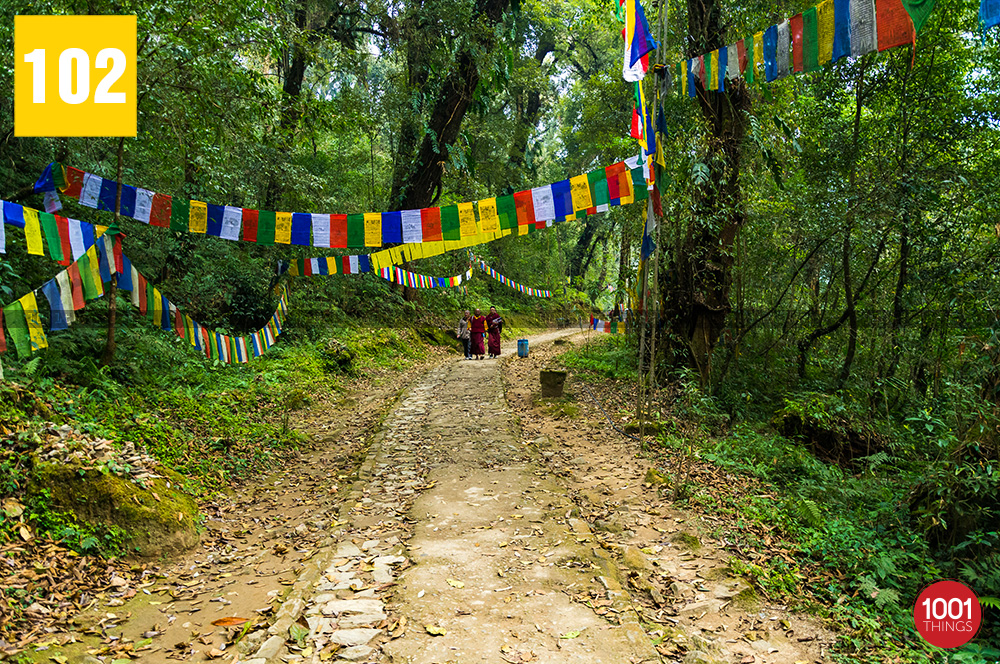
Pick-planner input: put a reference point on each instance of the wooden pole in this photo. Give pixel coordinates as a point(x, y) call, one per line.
point(109, 349)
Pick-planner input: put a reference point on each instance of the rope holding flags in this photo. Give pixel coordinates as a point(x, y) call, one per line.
point(452, 226)
point(83, 280)
point(535, 292)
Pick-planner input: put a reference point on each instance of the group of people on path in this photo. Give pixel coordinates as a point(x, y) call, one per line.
point(471, 330)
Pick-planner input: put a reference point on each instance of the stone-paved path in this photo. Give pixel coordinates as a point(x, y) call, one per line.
point(459, 547)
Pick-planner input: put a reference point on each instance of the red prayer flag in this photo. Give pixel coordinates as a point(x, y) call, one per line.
point(159, 214)
point(345, 265)
point(795, 25)
point(741, 52)
point(701, 72)
point(74, 182)
point(179, 327)
point(657, 207)
point(62, 223)
point(249, 225)
point(119, 259)
point(76, 287)
point(338, 231)
point(3, 339)
point(525, 207)
point(895, 27)
point(430, 224)
point(307, 268)
point(636, 130)
point(141, 285)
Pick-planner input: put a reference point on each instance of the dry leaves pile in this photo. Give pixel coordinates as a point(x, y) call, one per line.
point(45, 585)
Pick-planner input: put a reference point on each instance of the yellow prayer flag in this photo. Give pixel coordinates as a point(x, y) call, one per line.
point(713, 78)
point(490, 222)
point(189, 325)
point(373, 229)
point(522, 229)
point(580, 191)
point(157, 307)
point(198, 217)
point(758, 53)
point(466, 219)
point(331, 265)
point(283, 227)
point(95, 269)
point(30, 306)
point(825, 26)
point(100, 230)
point(33, 232)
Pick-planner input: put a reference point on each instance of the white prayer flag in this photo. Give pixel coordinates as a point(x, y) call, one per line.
point(66, 296)
point(733, 64)
point(783, 47)
point(51, 202)
point(135, 287)
point(91, 190)
point(321, 230)
point(232, 221)
point(143, 204)
point(314, 264)
point(863, 27)
point(413, 229)
point(353, 262)
point(76, 239)
point(545, 207)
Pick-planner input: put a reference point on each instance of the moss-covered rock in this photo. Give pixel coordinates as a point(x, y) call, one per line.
point(154, 521)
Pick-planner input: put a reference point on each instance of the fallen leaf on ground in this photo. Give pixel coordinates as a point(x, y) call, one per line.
point(455, 583)
point(570, 635)
point(434, 630)
point(231, 621)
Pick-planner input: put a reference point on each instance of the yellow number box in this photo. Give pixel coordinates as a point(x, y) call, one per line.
point(74, 76)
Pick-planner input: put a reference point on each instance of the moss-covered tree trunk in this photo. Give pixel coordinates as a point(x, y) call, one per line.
point(697, 280)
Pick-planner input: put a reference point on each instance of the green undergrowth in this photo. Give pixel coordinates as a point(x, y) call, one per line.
point(606, 355)
point(847, 516)
point(217, 425)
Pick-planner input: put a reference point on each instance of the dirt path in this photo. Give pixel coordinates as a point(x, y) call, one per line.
point(474, 523)
point(676, 564)
point(457, 546)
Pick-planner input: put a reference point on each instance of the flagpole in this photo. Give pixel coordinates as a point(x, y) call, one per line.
point(660, 84)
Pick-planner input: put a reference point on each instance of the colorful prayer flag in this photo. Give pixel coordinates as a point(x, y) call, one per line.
point(282, 227)
point(893, 24)
point(863, 32)
point(825, 27)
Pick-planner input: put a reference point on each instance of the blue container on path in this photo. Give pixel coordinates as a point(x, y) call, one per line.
point(522, 348)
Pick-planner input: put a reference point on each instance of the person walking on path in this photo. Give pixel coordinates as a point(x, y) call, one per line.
point(478, 328)
point(494, 326)
point(462, 332)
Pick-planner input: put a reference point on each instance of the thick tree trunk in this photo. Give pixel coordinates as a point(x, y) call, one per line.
point(421, 184)
point(529, 106)
point(698, 280)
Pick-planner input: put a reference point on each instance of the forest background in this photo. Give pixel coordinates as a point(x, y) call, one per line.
point(827, 253)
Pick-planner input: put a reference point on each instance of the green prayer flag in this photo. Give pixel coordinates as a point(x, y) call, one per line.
point(810, 40)
point(355, 230)
point(51, 230)
point(265, 227)
point(180, 211)
point(594, 179)
point(90, 291)
point(919, 11)
point(639, 185)
point(151, 304)
point(449, 223)
point(751, 68)
point(17, 327)
point(507, 211)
